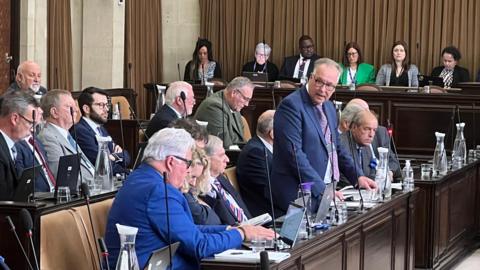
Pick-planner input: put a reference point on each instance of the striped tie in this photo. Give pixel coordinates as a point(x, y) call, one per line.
point(332, 155)
point(237, 211)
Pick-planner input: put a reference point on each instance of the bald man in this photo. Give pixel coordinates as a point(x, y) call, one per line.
point(28, 78)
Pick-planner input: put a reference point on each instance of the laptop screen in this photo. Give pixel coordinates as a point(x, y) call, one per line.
point(291, 224)
point(256, 76)
point(324, 206)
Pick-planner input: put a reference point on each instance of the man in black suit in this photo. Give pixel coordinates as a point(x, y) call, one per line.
point(174, 107)
point(252, 166)
point(223, 198)
point(16, 123)
point(300, 66)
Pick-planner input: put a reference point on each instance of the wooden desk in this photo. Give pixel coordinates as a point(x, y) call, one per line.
point(381, 238)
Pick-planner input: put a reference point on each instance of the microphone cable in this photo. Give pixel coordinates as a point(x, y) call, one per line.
point(267, 171)
point(168, 220)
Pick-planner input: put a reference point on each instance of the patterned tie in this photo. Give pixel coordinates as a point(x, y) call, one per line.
point(447, 75)
point(237, 211)
point(301, 68)
point(42, 158)
point(332, 155)
point(72, 142)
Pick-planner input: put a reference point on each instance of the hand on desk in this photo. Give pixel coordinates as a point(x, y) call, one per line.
point(339, 195)
point(366, 183)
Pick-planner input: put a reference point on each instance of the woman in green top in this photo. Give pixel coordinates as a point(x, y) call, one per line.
point(354, 70)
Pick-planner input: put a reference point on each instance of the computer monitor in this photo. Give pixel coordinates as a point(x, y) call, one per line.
point(430, 80)
point(256, 76)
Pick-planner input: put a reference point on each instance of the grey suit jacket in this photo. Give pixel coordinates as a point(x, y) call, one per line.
point(56, 146)
point(385, 71)
point(222, 122)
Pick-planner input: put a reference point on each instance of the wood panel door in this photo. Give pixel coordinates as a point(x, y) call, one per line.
point(5, 42)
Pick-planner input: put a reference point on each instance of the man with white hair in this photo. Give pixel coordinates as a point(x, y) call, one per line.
point(175, 107)
point(261, 64)
point(141, 203)
point(29, 77)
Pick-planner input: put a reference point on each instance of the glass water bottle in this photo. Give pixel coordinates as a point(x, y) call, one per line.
point(103, 178)
point(127, 258)
point(439, 156)
point(459, 151)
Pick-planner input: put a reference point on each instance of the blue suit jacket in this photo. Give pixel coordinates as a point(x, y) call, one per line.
point(88, 143)
point(141, 203)
point(25, 159)
point(252, 176)
point(297, 123)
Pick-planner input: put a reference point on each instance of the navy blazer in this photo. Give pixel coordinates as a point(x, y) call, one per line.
point(252, 176)
point(201, 214)
point(88, 143)
point(140, 203)
point(289, 64)
point(8, 175)
point(218, 204)
point(161, 120)
point(297, 123)
point(24, 160)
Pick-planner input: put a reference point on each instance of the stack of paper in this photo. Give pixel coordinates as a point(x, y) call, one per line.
point(248, 256)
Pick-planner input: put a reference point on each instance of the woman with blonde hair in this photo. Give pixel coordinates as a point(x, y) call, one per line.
point(198, 183)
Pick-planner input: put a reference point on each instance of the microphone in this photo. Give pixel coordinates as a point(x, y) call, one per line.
point(183, 96)
point(264, 261)
point(223, 118)
point(12, 228)
point(34, 113)
point(178, 69)
point(3, 265)
point(86, 193)
point(203, 74)
point(104, 251)
point(76, 146)
point(138, 123)
point(350, 143)
point(168, 221)
point(267, 171)
point(392, 141)
point(122, 138)
point(27, 223)
point(301, 185)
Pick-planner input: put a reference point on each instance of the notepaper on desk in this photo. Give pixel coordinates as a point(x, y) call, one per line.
point(248, 256)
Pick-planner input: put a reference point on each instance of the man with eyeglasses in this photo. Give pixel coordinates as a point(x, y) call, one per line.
point(306, 142)
point(222, 111)
point(93, 103)
point(301, 65)
point(15, 124)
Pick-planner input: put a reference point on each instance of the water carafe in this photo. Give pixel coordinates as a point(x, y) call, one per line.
point(459, 151)
point(439, 156)
point(382, 178)
point(103, 180)
point(127, 258)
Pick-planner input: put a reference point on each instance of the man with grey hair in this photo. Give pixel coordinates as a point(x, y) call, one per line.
point(175, 107)
point(347, 115)
point(254, 164)
point(28, 78)
point(261, 63)
point(222, 111)
point(16, 123)
point(306, 144)
point(141, 203)
point(59, 111)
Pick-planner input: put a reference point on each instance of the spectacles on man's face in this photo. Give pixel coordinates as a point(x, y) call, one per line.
point(245, 98)
point(101, 105)
point(30, 122)
point(187, 161)
point(321, 83)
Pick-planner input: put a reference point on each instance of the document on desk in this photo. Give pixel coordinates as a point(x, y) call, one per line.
point(248, 256)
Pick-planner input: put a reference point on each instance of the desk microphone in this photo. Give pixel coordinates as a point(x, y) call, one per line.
point(264, 261)
point(223, 118)
point(301, 185)
point(76, 145)
point(392, 141)
point(27, 223)
point(34, 158)
point(86, 193)
point(183, 97)
point(104, 251)
point(350, 143)
point(267, 171)
point(178, 69)
point(168, 221)
point(12, 228)
point(138, 123)
point(123, 139)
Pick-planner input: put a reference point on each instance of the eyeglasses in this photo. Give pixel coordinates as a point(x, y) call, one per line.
point(245, 98)
point(30, 122)
point(352, 53)
point(101, 105)
point(187, 161)
point(320, 83)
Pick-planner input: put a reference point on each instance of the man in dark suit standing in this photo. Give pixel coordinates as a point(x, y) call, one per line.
point(252, 166)
point(300, 66)
point(16, 123)
point(223, 198)
point(93, 104)
point(174, 107)
point(306, 140)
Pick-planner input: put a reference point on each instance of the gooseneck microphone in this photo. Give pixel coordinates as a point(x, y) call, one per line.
point(183, 97)
point(104, 251)
point(301, 185)
point(12, 228)
point(86, 193)
point(350, 143)
point(264, 261)
point(178, 69)
point(392, 140)
point(79, 158)
point(33, 156)
point(122, 138)
point(138, 123)
point(27, 223)
point(267, 172)
point(168, 221)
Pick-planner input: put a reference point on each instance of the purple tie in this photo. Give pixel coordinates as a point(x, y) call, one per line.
point(332, 155)
point(237, 211)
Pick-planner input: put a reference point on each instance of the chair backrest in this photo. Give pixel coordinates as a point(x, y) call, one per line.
point(368, 87)
point(247, 135)
point(231, 173)
point(124, 106)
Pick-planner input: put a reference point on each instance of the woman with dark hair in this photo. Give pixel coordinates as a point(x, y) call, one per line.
point(405, 74)
point(202, 67)
point(450, 71)
point(355, 71)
